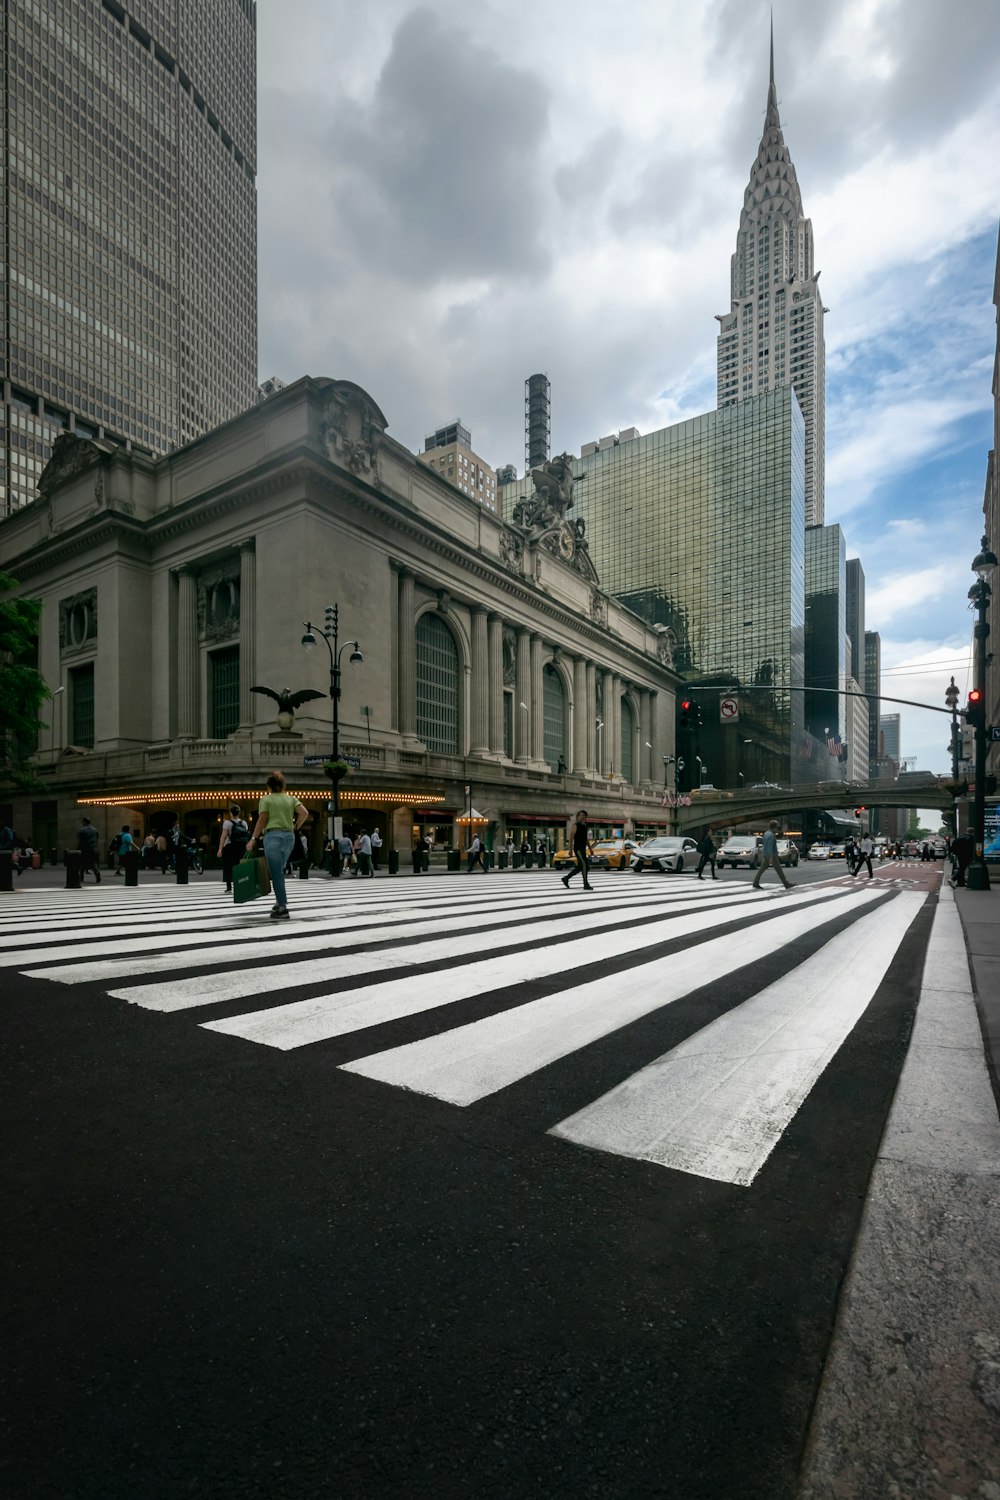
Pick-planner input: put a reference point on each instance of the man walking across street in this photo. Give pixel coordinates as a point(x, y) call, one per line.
point(476, 855)
point(86, 842)
point(864, 855)
point(707, 851)
point(363, 855)
point(581, 842)
point(376, 839)
point(770, 857)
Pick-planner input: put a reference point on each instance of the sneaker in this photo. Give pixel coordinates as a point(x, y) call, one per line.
point(565, 881)
point(278, 912)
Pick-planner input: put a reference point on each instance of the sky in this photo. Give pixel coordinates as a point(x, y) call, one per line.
point(452, 196)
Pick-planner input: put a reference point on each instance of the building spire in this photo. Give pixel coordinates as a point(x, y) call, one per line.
point(772, 47)
point(772, 92)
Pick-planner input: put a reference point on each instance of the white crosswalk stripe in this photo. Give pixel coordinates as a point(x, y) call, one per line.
point(360, 958)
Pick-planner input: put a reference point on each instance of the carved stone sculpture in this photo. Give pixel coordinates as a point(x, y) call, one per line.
point(543, 517)
point(351, 429)
point(287, 702)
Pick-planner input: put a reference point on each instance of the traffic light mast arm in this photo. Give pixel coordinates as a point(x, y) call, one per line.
point(757, 687)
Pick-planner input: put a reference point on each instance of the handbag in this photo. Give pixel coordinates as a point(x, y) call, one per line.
point(250, 879)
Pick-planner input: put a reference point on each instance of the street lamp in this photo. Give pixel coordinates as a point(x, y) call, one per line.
point(600, 741)
point(983, 564)
point(743, 743)
point(329, 635)
point(702, 768)
point(951, 700)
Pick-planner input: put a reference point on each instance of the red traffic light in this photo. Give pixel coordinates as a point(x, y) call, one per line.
point(858, 811)
point(975, 696)
point(685, 704)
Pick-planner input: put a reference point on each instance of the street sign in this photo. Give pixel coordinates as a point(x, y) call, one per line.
point(315, 760)
point(729, 710)
point(354, 761)
point(995, 732)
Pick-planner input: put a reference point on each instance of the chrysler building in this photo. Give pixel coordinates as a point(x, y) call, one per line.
point(773, 336)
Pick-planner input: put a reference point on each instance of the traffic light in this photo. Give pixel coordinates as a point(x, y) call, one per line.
point(696, 715)
point(859, 810)
point(686, 721)
point(975, 712)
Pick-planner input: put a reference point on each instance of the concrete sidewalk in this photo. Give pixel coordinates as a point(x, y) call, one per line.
point(909, 1404)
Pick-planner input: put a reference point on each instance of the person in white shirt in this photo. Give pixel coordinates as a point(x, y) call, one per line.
point(476, 855)
point(363, 855)
point(376, 839)
point(865, 849)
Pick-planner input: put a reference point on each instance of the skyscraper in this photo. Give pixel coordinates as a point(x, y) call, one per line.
point(826, 639)
point(130, 251)
point(873, 688)
point(856, 618)
point(773, 334)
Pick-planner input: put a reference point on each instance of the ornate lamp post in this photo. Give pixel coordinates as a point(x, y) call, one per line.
point(329, 635)
point(983, 564)
point(951, 700)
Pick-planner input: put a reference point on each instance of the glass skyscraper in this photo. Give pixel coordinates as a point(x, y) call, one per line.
point(700, 529)
point(826, 638)
point(130, 242)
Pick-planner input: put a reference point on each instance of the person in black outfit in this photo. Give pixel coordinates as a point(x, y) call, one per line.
point(581, 842)
point(707, 851)
point(86, 842)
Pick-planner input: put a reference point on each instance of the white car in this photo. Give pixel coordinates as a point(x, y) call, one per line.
point(741, 849)
point(665, 855)
point(819, 851)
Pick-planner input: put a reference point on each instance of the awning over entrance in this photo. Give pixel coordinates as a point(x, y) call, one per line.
point(475, 817)
point(842, 819)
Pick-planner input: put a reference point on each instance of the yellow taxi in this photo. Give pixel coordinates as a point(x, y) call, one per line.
point(613, 854)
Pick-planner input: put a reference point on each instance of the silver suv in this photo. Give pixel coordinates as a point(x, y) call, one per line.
point(741, 849)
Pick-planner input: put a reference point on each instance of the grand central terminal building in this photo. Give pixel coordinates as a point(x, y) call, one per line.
point(500, 688)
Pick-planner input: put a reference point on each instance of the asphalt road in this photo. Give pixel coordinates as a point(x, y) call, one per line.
point(234, 1268)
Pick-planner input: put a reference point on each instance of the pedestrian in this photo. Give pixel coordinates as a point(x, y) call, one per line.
point(120, 845)
point(233, 842)
point(707, 851)
point(346, 851)
point(526, 850)
point(581, 849)
point(769, 857)
point(963, 850)
point(509, 847)
point(86, 842)
point(850, 853)
point(376, 839)
point(363, 856)
point(7, 838)
point(864, 856)
point(476, 855)
point(279, 817)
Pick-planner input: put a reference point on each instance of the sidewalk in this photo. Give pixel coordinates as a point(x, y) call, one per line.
point(909, 1403)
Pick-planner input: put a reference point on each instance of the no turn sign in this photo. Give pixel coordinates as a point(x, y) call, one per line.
point(729, 710)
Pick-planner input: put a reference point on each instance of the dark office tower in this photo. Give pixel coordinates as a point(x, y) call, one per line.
point(537, 408)
point(856, 619)
point(130, 224)
point(773, 334)
point(873, 688)
point(826, 640)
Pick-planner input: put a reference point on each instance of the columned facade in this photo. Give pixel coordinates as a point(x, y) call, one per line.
point(188, 726)
point(248, 631)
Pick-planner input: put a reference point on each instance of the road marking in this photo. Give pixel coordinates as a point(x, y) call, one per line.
point(468, 1063)
point(716, 1105)
point(301, 1022)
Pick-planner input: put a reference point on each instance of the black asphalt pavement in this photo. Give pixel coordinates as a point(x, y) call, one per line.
point(236, 1271)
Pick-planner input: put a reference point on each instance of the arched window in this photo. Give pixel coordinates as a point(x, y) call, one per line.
point(554, 717)
point(437, 685)
point(628, 740)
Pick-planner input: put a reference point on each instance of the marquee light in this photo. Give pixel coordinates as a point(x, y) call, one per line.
point(231, 794)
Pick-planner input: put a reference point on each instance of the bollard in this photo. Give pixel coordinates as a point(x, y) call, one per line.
point(418, 861)
point(454, 860)
point(393, 865)
point(303, 869)
point(515, 861)
point(182, 865)
point(502, 860)
point(6, 869)
point(130, 864)
point(73, 860)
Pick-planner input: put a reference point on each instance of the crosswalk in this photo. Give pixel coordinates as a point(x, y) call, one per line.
point(468, 987)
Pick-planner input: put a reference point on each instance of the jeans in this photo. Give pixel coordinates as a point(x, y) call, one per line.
point(769, 860)
point(278, 845)
point(582, 867)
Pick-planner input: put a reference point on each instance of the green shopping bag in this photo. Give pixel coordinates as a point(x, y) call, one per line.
point(250, 879)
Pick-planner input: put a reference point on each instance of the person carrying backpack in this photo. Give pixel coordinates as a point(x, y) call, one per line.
point(232, 842)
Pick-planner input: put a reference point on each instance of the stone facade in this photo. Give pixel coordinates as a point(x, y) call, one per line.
point(201, 568)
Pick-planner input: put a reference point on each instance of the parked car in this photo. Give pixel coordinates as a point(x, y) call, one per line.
point(613, 854)
point(565, 859)
point(819, 850)
point(940, 849)
point(788, 853)
point(740, 849)
point(838, 851)
point(665, 855)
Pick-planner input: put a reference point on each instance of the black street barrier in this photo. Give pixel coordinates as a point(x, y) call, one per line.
point(303, 869)
point(502, 860)
point(6, 869)
point(73, 860)
point(181, 861)
point(53, 856)
point(454, 860)
point(418, 862)
point(130, 864)
point(515, 861)
point(393, 862)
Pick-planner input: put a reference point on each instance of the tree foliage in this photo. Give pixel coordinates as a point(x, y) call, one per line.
point(22, 688)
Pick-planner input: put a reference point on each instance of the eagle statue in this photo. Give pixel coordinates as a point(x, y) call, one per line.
point(288, 702)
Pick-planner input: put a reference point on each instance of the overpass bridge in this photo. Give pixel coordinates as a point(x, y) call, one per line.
point(760, 804)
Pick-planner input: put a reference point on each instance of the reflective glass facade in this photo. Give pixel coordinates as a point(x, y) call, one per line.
point(129, 251)
point(826, 633)
point(873, 687)
point(700, 528)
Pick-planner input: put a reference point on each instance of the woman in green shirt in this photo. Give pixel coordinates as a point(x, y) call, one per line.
point(279, 816)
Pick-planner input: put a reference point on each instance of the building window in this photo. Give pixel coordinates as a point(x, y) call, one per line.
point(82, 705)
point(553, 718)
point(508, 725)
point(224, 692)
point(628, 739)
point(437, 685)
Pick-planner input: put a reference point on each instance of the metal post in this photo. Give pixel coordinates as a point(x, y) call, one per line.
point(181, 863)
point(6, 869)
point(977, 877)
point(130, 864)
point(74, 861)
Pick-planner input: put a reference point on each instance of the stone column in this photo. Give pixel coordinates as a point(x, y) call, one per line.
point(615, 758)
point(580, 710)
point(407, 656)
point(496, 683)
point(645, 737)
point(480, 732)
point(591, 717)
point(605, 739)
point(187, 654)
point(522, 694)
point(537, 701)
point(248, 631)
